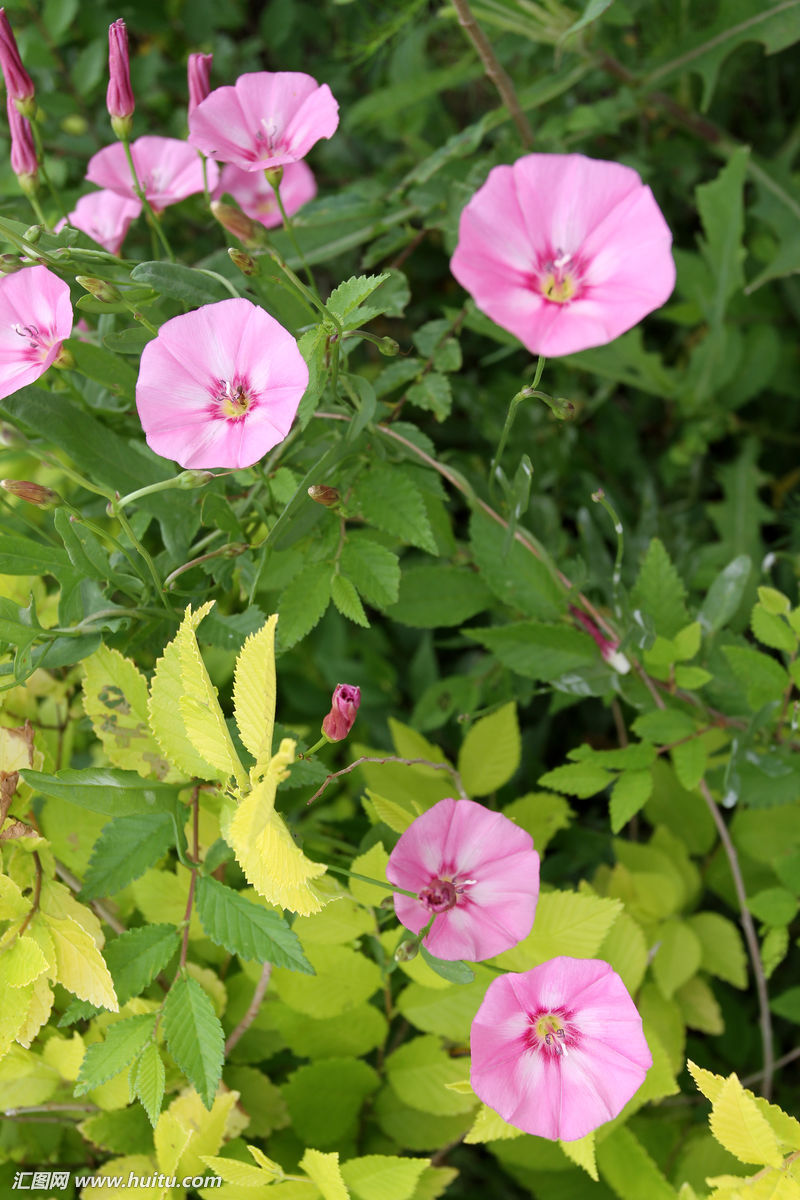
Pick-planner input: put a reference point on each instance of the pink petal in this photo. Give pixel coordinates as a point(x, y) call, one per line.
point(105, 217)
point(36, 299)
point(256, 198)
point(168, 169)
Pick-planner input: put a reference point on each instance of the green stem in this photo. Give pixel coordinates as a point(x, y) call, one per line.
point(22, 243)
point(126, 525)
point(289, 228)
point(599, 497)
point(106, 536)
point(150, 212)
point(523, 394)
point(387, 887)
point(33, 200)
point(39, 147)
point(309, 295)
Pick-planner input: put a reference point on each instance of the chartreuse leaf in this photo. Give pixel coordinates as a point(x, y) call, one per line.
point(324, 1170)
point(254, 691)
point(115, 701)
point(21, 963)
point(123, 1042)
point(125, 849)
point(382, 1177)
point(571, 923)
point(325, 1098)
point(627, 1168)
point(582, 1152)
point(148, 1081)
point(346, 298)
point(240, 1174)
point(737, 1123)
point(659, 591)
point(194, 1036)
point(419, 1073)
point(678, 956)
point(246, 928)
point(272, 861)
point(629, 794)
point(199, 707)
point(772, 630)
point(343, 978)
point(79, 964)
point(490, 753)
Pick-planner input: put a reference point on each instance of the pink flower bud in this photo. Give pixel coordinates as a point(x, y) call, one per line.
point(119, 96)
point(608, 647)
point(32, 493)
point(199, 70)
point(19, 84)
point(344, 706)
point(23, 152)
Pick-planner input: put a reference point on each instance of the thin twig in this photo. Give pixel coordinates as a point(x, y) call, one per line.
point(50, 1107)
point(252, 1009)
point(495, 72)
point(778, 1064)
point(393, 758)
point(765, 1021)
point(193, 881)
point(97, 906)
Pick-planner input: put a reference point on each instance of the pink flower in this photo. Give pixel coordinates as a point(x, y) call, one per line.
point(167, 168)
point(344, 706)
point(608, 647)
point(119, 94)
point(558, 1050)
point(19, 84)
point(220, 386)
point(199, 73)
point(563, 251)
point(475, 873)
point(256, 198)
point(35, 318)
point(23, 151)
point(105, 217)
point(267, 119)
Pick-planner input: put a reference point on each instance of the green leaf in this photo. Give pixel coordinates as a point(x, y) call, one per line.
point(383, 1177)
point(774, 906)
point(419, 1073)
point(192, 287)
point(303, 604)
point(689, 760)
point(577, 779)
point(740, 1127)
point(678, 957)
point(536, 650)
point(103, 367)
point(721, 207)
point(346, 599)
point(764, 679)
point(391, 501)
point(24, 556)
point(773, 600)
point(659, 591)
point(434, 595)
point(325, 1099)
point(628, 796)
point(103, 790)
point(570, 923)
point(148, 1081)
point(125, 849)
point(323, 1169)
point(627, 1168)
point(772, 630)
point(540, 813)
point(194, 1036)
point(254, 689)
point(346, 298)
point(123, 1042)
point(787, 1004)
point(452, 971)
point(246, 928)
point(374, 570)
point(342, 979)
point(516, 576)
point(593, 10)
point(137, 955)
point(725, 594)
point(490, 753)
point(433, 394)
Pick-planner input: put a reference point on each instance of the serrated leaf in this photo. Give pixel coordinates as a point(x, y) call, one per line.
point(419, 1073)
point(254, 693)
point(21, 963)
point(580, 779)
point(764, 679)
point(394, 814)
point(345, 298)
point(490, 753)
point(516, 576)
point(391, 501)
point(123, 1041)
point(628, 796)
point(659, 591)
point(773, 600)
point(346, 599)
point(536, 650)
point(689, 760)
point(115, 701)
point(771, 630)
point(79, 964)
point(374, 570)
point(272, 861)
point(137, 955)
point(737, 1123)
point(324, 1170)
point(303, 604)
point(246, 928)
point(149, 1081)
point(723, 953)
point(627, 1168)
point(125, 849)
point(194, 1036)
point(432, 393)
point(569, 923)
point(105, 790)
point(238, 1174)
point(201, 714)
point(382, 1175)
point(582, 1153)
point(433, 596)
point(678, 956)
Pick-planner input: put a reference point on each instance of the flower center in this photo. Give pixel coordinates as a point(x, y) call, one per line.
point(234, 399)
point(551, 1033)
point(443, 894)
point(34, 340)
point(559, 278)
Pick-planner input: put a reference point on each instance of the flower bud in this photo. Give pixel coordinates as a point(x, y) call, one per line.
point(19, 84)
point(33, 233)
point(387, 903)
point(193, 479)
point(388, 347)
point(101, 289)
point(64, 359)
point(32, 493)
point(23, 151)
point(245, 262)
point(344, 706)
point(273, 176)
point(199, 72)
point(9, 263)
point(608, 646)
point(321, 494)
point(407, 950)
point(236, 223)
point(119, 95)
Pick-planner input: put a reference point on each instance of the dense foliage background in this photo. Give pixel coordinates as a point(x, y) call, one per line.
point(431, 589)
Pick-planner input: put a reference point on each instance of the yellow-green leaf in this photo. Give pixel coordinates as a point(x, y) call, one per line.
point(489, 1126)
point(324, 1170)
point(491, 751)
point(736, 1123)
point(582, 1152)
point(21, 963)
point(266, 851)
point(707, 1082)
point(80, 965)
point(115, 701)
point(241, 1174)
point(254, 691)
point(568, 923)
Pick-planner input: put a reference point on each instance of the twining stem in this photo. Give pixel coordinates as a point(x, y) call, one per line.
point(150, 212)
point(289, 228)
point(768, 1070)
point(126, 525)
point(495, 72)
point(600, 497)
point(393, 758)
point(510, 415)
point(379, 883)
point(252, 1009)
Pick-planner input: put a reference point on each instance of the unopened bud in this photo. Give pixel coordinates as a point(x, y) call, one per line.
point(123, 127)
point(64, 359)
point(245, 262)
point(32, 493)
point(101, 289)
point(193, 479)
point(326, 496)
point(273, 176)
point(33, 233)
point(234, 549)
point(238, 224)
point(407, 950)
point(344, 706)
point(9, 263)
point(388, 347)
point(387, 902)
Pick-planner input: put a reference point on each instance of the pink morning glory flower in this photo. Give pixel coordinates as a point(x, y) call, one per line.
point(105, 217)
point(558, 1050)
point(167, 168)
point(119, 94)
point(220, 386)
point(565, 252)
point(256, 198)
point(267, 119)
point(35, 318)
point(474, 872)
